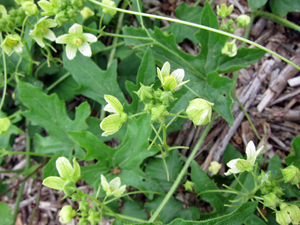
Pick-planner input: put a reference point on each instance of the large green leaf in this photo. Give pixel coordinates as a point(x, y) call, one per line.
point(294, 158)
point(50, 112)
point(197, 68)
point(186, 13)
point(255, 4)
point(95, 83)
point(282, 7)
point(5, 214)
point(134, 209)
point(126, 158)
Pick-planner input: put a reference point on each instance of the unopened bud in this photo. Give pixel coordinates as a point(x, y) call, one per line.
point(66, 214)
point(30, 8)
point(230, 48)
point(4, 125)
point(291, 174)
point(243, 20)
point(166, 98)
point(145, 93)
point(189, 185)
point(214, 167)
point(199, 111)
point(86, 12)
point(159, 114)
point(271, 200)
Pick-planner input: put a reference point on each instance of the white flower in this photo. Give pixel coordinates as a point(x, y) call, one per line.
point(76, 39)
point(41, 30)
point(113, 187)
point(170, 81)
point(241, 165)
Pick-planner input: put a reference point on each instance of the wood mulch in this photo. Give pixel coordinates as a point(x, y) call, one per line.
point(268, 90)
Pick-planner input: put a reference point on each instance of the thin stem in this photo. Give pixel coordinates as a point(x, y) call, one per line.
point(276, 19)
point(185, 117)
point(31, 61)
point(5, 75)
point(166, 167)
point(171, 121)
point(26, 153)
point(109, 47)
point(198, 26)
point(220, 191)
point(137, 114)
point(249, 119)
point(183, 171)
point(176, 147)
point(242, 186)
point(157, 134)
point(121, 216)
point(240, 193)
point(58, 81)
point(165, 137)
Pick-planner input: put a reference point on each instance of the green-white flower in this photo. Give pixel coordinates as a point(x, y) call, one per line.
point(30, 8)
point(77, 40)
point(86, 12)
point(230, 48)
point(224, 11)
point(172, 81)
point(68, 175)
point(113, 187)
point(113, 123)
point(42, 30)
point(243, 20)
point(291, 174)
point(12, 41)
point(199, 111)
point(66, 214)
point(214, 167)
point(288, 214)
point(4, 125)
point(241, 165)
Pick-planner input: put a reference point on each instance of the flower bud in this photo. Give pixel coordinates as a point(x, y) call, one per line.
point(105, 10)
point(166, 98)
point(230, 22)
point(149, 106)
point(224, 27)
point(93, 217)
point(4, 125)
point(224, 11)
point(199, 111)
point(169, 83)
point(243, 20)
point(214, 167)
point(157, 94)
point(291, 174)
point(66, 214)
point(83, 205)
point(30, 8)
point(230, 48)
point(60, 18)
point(78, 3)
point(159, 114)
point(113, 123)
point(86, 12)
point(189, 185)
point(145, 92)
point(271, 200)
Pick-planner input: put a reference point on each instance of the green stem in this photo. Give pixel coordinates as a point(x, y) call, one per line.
point(182, 172)
point(198, 26)
point(118, 30)
point(5, 75)
point(171, 121)
point(242, 186)
point(31, 61)
point(276, 19)
point(176, 115)
point(26, 153)
point(58, 81)
point(157, 134)
point(109, 47)
point(165, 137)
point(137, 114)
point(127, 217)
point(221, 191)
point(155, 137)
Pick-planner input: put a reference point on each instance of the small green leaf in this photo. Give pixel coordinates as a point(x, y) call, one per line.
point(294, 158)
point(134, 209)
point(5, 214)
point(191, 213)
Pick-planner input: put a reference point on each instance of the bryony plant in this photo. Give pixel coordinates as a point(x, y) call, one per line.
point(241, 165)
point(76, 39)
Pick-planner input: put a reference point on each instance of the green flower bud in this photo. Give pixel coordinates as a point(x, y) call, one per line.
point(230, 48)
point(113, 123)
point(166, 98)
point(145, 92)
point(78, 3)
point(224, 27)
point(4, 125)
point(243, 20)
point(224, 11)
point(277, 190)
point(291, 174)
point(109, 11)
point(199, 111)
point(83, 221)
point(230, 22)
point(231, 30)
point(61, 18)
point(157, 94)
point(148, 107)
point(93, 217)
point(159, 114)
point(83, 205)
point(66, 214)
point(214, 167)
point(75, 197)
point(271, 200)
point(189, 185)
point(86, 13)
point(19, 19)
point(69, 188)
point(30, 8)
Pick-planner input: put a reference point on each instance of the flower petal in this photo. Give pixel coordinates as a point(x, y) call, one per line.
point(75, 29)
point(49, 35)
point(179, 75)
point(115, 183)
point(54, 182)
point(18, 47)
point(165, 70)
point(71, 51)
point(114, 103)
point(64, 168)
point(232, 165)
point(104, 183)
point(63, 39)
point(117, 193)
point(251, 152)
point(39, 40)
point(85, 49)
point(90, 37)
point(50, 23)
